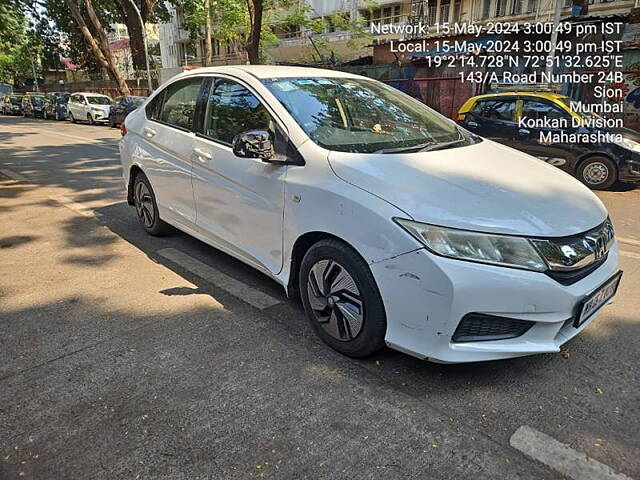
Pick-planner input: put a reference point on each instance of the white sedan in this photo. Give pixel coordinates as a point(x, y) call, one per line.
point(393, 224)
point(89, 107)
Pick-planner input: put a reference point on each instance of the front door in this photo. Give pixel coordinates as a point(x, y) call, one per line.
point(493, 118)
point(532, 136)
point(168, 143)
point(240, 201)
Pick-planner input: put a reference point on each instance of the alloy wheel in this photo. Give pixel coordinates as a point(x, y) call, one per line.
point(335, 300)
point(596, 173)
point(144, 205)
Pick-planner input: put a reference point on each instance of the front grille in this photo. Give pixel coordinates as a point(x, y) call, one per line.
point(478, 327)
point(569, 277)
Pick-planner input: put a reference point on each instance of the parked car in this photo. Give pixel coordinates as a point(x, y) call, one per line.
point(55, 105)
point(598, 162)
point(393, 224)
point(89, 107)
point(12, 104)
point(33, 105)
point(123, 106)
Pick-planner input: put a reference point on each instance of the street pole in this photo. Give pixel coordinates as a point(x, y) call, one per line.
point(144, 38)
point(554, 37)
point(35, 80)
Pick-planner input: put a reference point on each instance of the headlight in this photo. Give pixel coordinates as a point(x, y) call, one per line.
point(629, 144)
point(487, 248)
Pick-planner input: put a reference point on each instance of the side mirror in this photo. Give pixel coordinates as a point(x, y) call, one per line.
point(254, 144)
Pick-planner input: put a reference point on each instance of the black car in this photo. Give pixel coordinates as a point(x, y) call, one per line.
point(55, 105)
point(33, 105)
point(123, 106)
point(12, 104)
point(547, 126)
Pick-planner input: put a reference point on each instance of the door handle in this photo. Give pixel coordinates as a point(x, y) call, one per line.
point(523, 131)
point(202, 155)
point(149, 132)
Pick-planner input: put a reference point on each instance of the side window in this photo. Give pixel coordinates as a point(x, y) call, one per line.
point(536, 109)
point(495, 109)
point(179, 106)
point(153, 106)
point(233, 109)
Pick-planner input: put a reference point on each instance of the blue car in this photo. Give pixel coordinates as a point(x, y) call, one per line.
point(123, 106)
point(55, 105)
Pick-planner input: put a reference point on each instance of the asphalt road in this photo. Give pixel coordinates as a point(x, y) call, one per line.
point(128, 356)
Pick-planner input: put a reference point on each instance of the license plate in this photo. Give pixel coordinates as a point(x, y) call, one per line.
point(592, 303)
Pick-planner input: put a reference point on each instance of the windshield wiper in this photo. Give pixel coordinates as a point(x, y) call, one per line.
point(412, 148)
point(441, 146)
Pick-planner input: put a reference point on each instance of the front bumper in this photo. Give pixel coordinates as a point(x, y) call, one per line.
point(426, 296)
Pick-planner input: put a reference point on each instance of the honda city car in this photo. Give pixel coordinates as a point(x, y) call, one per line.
point(394, 225)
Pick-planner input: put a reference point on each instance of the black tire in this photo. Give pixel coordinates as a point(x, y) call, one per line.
point(597, 173)
point(57, 117)
point(356, 334)
point(44, 115)
point(112, 124)
point(72, 118)
point(147, 208)
point(90, 119)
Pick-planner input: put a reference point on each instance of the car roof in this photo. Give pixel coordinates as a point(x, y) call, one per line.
point(525, 93)
point(273, 71)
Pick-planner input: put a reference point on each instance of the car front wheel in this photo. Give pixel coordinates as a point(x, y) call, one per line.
point(598, 173)
point(146, 207)
point(72, 118)
point(341, 299)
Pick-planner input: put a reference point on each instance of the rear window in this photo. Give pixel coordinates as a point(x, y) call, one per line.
point(495, 109)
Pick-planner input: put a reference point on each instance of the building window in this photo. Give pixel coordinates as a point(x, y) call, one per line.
point(383, 15)
point(516, 7)
point(501, 8)
point(432, 11)
point(457, 7)
point(444, 11)
point(532, 6)
point(486, 5)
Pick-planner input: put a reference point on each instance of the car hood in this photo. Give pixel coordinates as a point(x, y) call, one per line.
point(486, 187)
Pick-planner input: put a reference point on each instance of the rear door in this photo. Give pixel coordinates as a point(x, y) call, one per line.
point(533, 139)
point(493, 118)
point(240, 201)
point(167, 143)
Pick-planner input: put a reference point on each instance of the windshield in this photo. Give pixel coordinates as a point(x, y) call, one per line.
point(99, 100)
point(360, 115)
point(37, 100)
point(16, 99)
point(62, 97)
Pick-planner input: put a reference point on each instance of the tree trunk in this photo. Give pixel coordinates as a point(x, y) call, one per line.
point(103, 44)
point(255, 21)
point(82, 26)
point(136, 39)
point(207, 33)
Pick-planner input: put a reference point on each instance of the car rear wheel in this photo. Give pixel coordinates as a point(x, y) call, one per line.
point(72, 118)
point(598, 173)
point(147, 208)
point(44, 115)
point(90, 119)
point(341, 299)
point(57, 116)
